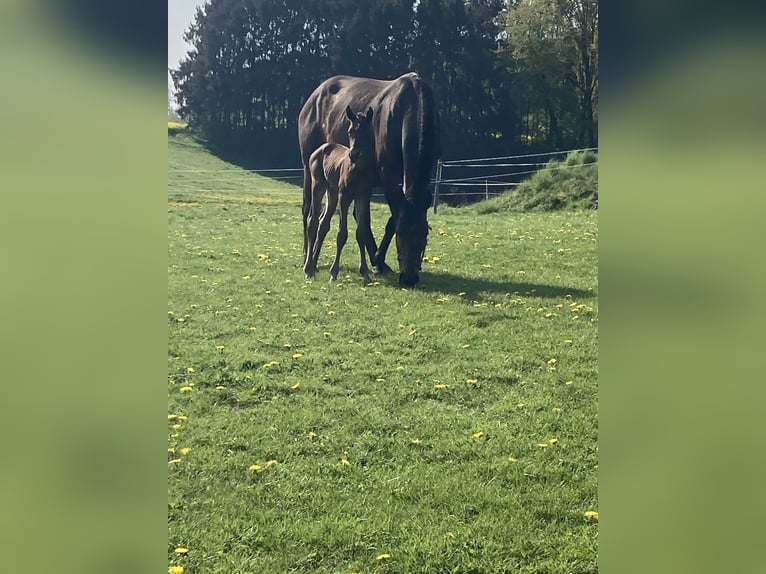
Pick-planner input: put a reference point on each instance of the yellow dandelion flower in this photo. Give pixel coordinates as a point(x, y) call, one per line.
point(553, 440)
point(568, 382)
point(416, 441)
point(478, 434)
point(450, 535)
point(439, 387)
point(556, 409)
point(382, 557)
point(171, 450)
point(331, 312)
point(466, 346)
point(174, 461)
point(181, 320)
point(312, 435)
point(175, 426)
point(592, 515)
point(220, 388)
point(185, 450)
point(521, 405)
point(399, 368)
point(380, 380)
point(471, 381)
point(189, 369)
point(219, 347)
point(255, 467)
point(296, 386)
point(344, 462)
point(297, 355)
point(182, 417)
point(512, 459)
point(271, 462)
point(182, 550)
point(185, 389)
point(176, 570)
point(543, 444)
point(172, 417)
point(246, 277)
point(567, 340)
point(551, 361)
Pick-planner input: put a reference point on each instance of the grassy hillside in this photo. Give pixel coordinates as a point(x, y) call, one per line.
point(359, 427)
point(569, 184)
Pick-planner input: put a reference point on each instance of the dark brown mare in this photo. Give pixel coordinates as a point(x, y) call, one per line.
point(348, 174)
point(406, 149)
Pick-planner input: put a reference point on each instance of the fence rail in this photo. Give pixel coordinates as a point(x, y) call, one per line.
point(461, 186)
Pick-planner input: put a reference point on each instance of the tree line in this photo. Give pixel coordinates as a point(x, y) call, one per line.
point(508, 76)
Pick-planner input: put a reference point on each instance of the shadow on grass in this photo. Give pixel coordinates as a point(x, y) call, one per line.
point(474, 287)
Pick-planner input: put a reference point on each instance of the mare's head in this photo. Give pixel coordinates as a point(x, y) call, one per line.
point(361, 139)
point(411, 239)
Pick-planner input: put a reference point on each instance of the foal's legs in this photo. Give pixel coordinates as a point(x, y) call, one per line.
point(345, 201)
point(315, 200)
point(324, 223)
point(363, 231)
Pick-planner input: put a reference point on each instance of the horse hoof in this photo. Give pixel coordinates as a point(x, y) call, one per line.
point(382, 268)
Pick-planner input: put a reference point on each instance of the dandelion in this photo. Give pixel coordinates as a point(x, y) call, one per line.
point(296, 386)
point(345, 462)
point(521, 405)
point(185, 389)
point(543, 444)
point(175, 426)
point(312, 435)
point(174, 461)
point(171, 450)
point(182, 417)
point(415, 441)
point(466, 346)
point(478, 434)
point(567, 340)
point(255, 468)
point(592, 515)
point(181, 320)
point(382, 557)
point(172, 417)
point(512, 459)
point(380, 380)
point(176, 570)
point(440, 386)
point(471, 381)
point(297, 355)
point(552, 361)
point(270, 463)
point(553, 440)
point(219, 347)
point(185, 450)
point(220, 388)
point(189, 369)
point(182, 550)
point(399, 368)
point(568, 382)
point(246, 277)
point(450, 535)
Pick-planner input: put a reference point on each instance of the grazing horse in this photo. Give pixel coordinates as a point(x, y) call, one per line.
point(406, 129)
point(347, 173)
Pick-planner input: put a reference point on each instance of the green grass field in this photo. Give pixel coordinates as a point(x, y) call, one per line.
point(359, 427)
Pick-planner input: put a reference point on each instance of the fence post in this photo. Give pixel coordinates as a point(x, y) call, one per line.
point(436, 183)
point(486, 189)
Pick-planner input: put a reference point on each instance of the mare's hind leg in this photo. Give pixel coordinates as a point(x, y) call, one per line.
point(342, 235)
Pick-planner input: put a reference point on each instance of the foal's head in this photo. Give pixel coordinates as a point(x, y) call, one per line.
point(360, 137)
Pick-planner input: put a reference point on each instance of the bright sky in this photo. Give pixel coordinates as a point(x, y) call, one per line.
point(180, 15)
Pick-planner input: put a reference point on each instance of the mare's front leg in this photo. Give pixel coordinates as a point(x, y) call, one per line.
point(342, 234)
point(380, 254)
